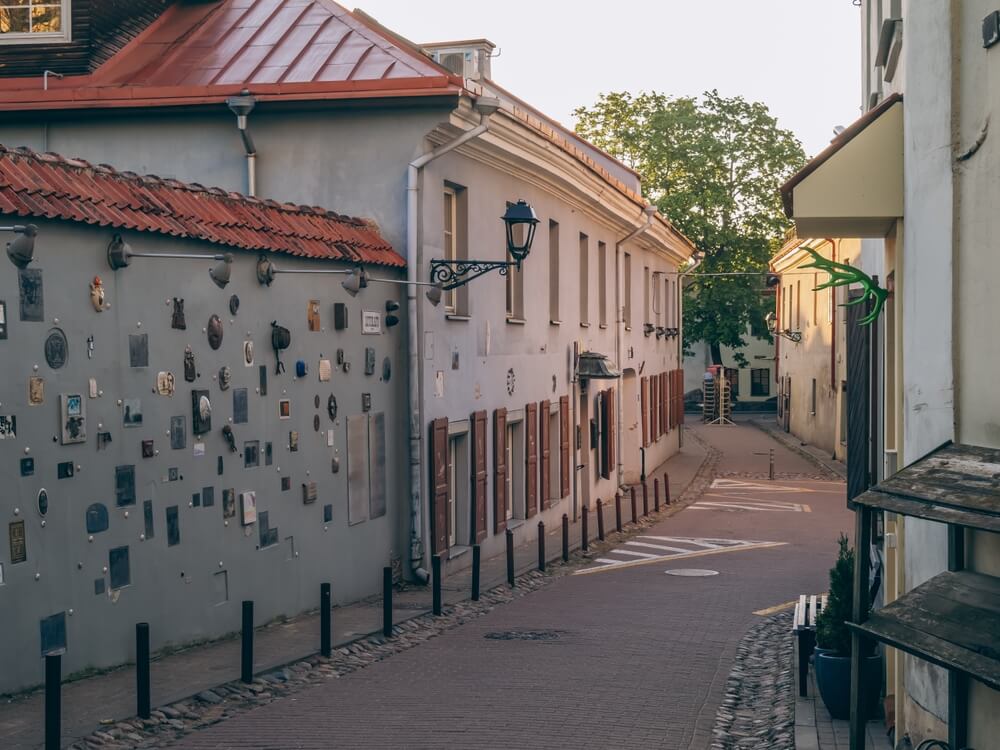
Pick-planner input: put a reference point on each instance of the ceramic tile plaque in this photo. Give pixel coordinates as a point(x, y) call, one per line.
point(18, 543)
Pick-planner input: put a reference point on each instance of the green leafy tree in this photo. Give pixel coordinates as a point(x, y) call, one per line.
point(713, 166)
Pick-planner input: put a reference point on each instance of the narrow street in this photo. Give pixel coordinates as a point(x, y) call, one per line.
point(617, 654)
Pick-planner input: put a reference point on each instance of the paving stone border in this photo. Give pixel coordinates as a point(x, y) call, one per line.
point(758, 707)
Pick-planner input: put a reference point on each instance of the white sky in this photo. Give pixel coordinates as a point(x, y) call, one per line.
point(800, 57)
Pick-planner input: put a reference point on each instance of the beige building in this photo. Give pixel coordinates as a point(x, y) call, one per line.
point(810, 344)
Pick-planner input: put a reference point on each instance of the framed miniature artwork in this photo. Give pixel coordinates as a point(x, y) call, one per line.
point(248, 507)
point(284, 408)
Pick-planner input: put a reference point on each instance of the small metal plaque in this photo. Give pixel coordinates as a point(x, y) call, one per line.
point(248, 507)
point(97, 518)
point(293, 441)
point(27, 467)
point(366, 402)
point(369, 360)
point(371, 322)
point(228, 503)
point(65, 470)
point(138, 350)
point(207, 497)
point(309, 493)
point(268, 453)
point(73, 415)
point(240, 406)
point(147, 449)
point(56, 349)
point(196, 500)
point(327, 513)
point(286, 484)
point(263, 380)
point(131, 412)
point(18, 543)
point(173, 526)
point(125, 485)
point(29, 281)
point(8, 427)
point(119, 570)
point(178, 433)
point(251, 454)
point(201, 412)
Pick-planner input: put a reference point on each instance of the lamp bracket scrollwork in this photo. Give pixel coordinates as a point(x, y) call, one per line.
point(451, 274)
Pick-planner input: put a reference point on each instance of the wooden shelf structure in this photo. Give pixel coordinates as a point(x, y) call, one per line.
point(952, 620)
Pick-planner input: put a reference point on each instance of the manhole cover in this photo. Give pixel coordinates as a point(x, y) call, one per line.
point(691, 572)
point(524, 635)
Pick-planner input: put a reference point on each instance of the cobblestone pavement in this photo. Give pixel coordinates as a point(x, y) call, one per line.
point(623, 658)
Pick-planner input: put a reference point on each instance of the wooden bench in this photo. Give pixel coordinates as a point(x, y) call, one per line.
point(807, 608)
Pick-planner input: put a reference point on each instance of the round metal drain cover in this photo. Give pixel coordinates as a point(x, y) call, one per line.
point(691, 572)
point(524, 635)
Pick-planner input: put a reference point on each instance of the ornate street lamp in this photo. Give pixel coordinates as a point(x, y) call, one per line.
point(520, 222)
point(772, 328)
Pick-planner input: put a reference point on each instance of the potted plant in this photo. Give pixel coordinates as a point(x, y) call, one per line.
point(833, 645)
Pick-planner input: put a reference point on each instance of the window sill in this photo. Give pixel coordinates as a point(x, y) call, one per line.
point(457, 550)
point(516, 321)
point(584, 325)
point(555, 322)
point(513, 523)
point(457, 316)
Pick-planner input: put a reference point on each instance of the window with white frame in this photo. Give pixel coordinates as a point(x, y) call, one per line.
point(450, 239)
point(515, 469)
point(31, 21)
point(602, 283)
point(458, 487)
point(455, 238)
point(584, 280)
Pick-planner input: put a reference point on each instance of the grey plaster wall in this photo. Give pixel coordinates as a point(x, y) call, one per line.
point(193, 589)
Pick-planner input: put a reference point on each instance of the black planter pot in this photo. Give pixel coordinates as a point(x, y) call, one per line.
point(833, 678)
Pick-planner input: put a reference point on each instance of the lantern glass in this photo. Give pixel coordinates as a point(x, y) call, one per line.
point(520, 221)
point(772, 322)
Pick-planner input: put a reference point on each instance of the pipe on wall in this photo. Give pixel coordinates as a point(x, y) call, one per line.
point(649, 212)
point(486, 108)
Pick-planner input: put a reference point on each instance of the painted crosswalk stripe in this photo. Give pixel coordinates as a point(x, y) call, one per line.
point(682, 547)
point(658, 546)
point(710, 544)
point(631, 553)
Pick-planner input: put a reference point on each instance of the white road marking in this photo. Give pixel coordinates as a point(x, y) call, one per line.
point(631, 553)
point(761, 505)
point(697, 543)
point(657, 546)
point(686, 547)
point(606, 564)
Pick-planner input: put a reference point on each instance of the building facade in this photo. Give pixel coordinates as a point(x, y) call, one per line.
point(752, 385)
point(487, 421)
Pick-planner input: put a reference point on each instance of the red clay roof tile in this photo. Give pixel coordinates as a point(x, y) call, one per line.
point(54, 187)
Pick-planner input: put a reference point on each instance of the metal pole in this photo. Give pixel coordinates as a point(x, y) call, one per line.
point(770, 467)
point(436, 583)
point(541, 546)
point(584, 530)
point(600, 519)
point(618, 512)
point(645, 498)
point(565, 539)
point(666, 488)
point(324, 620)
point(656, 495)
point(632, 493)
point(246, 662)
point(142, 669)
point(510, 557)
point(387, 601)
point(476, 552)
point(53, 698)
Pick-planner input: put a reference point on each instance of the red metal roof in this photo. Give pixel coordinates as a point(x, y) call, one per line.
point(55, 187)
point(200, 52)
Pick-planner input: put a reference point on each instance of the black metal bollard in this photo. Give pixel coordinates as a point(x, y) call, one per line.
point(645, 499)
point(541, 546)
point(387, 601)
point(632, 494)
point(584, 531)
point(53, 701)
point(142, 670)
point(565, 539)
point(666, 488)
point(436, 583)
point(476, 557)
point(656, 495)
point(510, 556)
point(246, 661)
point(618, 512)
point(600, 519)
point(324, 620)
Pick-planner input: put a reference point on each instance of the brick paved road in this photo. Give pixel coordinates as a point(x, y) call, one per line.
point(640, 658)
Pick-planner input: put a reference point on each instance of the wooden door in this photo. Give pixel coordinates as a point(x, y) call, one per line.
point(608, 458)
point(530, 460)
point(545, 465)
point(439, 487)
point(859, 467)
point(563, 446)
point(478, 475)
point(500, 470)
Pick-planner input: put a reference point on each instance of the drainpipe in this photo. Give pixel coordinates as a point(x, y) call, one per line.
point(649, 212)
point(241, 106)
point(486, 106)
point(698, 256)
point(833, 326)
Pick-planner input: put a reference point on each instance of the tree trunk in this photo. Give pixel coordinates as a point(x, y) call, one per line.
point(716, 352)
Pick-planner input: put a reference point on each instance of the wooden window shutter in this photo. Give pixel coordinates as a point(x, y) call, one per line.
point(439, 486)
point(607, 433)
point(530, 460)
point(545, 466)
point(679, 394)
point(563, 446)
point(665, 407)
point(499, 470)
point(479, 474)
point(602, 416)
point(644, 408)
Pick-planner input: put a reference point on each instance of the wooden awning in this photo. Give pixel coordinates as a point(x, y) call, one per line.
point(854, 187)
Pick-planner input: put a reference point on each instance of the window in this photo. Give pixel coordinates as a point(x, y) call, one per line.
point(584, 280)
point(515, 469)
point(815, 295)
point(554, 271)
point(812, 398)
point(798, 305)
point(456, 242)
point(627, 274)
point(657, 306)
point(458, 489)
point(760, 381)
point(554, 465)
point(602, 283)
point(668, 303)
point(32, 21)
point(515, 281)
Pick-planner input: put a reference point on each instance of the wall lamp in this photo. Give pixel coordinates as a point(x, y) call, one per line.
point(451, 274)
point(120, 255)
point(266, 270)
point(21, 249)
point(359, 279)
point(772, 328)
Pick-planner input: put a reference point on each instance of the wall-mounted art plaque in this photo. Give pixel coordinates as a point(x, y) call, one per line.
point(196, 500)
point(309, 493)
point(173, 526)
point(228, 503)
point(72, 418)
point(225, 377)
point(65, 470)
point(263, 380)
point(42, 502)
point(327, 513)
point(138, 350)
point(147, 449)
point(97, 518)
point(27, 467)
point(131, 412)
point(248, 507)
point(119, 571)
point(52, 634)
point(147, 518)
point(8, 427)
point(369, 361)
point(56, 349)
point(268, 453)
point(178, 433)
point(286, 484)
point(215, 331)
point(207, 497)
point(251, 454)
point(201, 412)
point(293, 441)
point(3, 320)
point(125, 485)
point(177, 318)
point(18, 542)
point(29, 282)
point(312, 315)
point(36, 390)
point(240, 406)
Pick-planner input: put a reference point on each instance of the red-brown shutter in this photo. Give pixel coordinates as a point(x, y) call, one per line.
point(530, 460)
point(607, 432)
point(479, 474)
point(439, 487)
point(602, 418)
point(644, 408)
point(563, 446)
point(680, 396)
point(665, 408)
point(499, 470)
point(654, 406)
point(545, 466)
